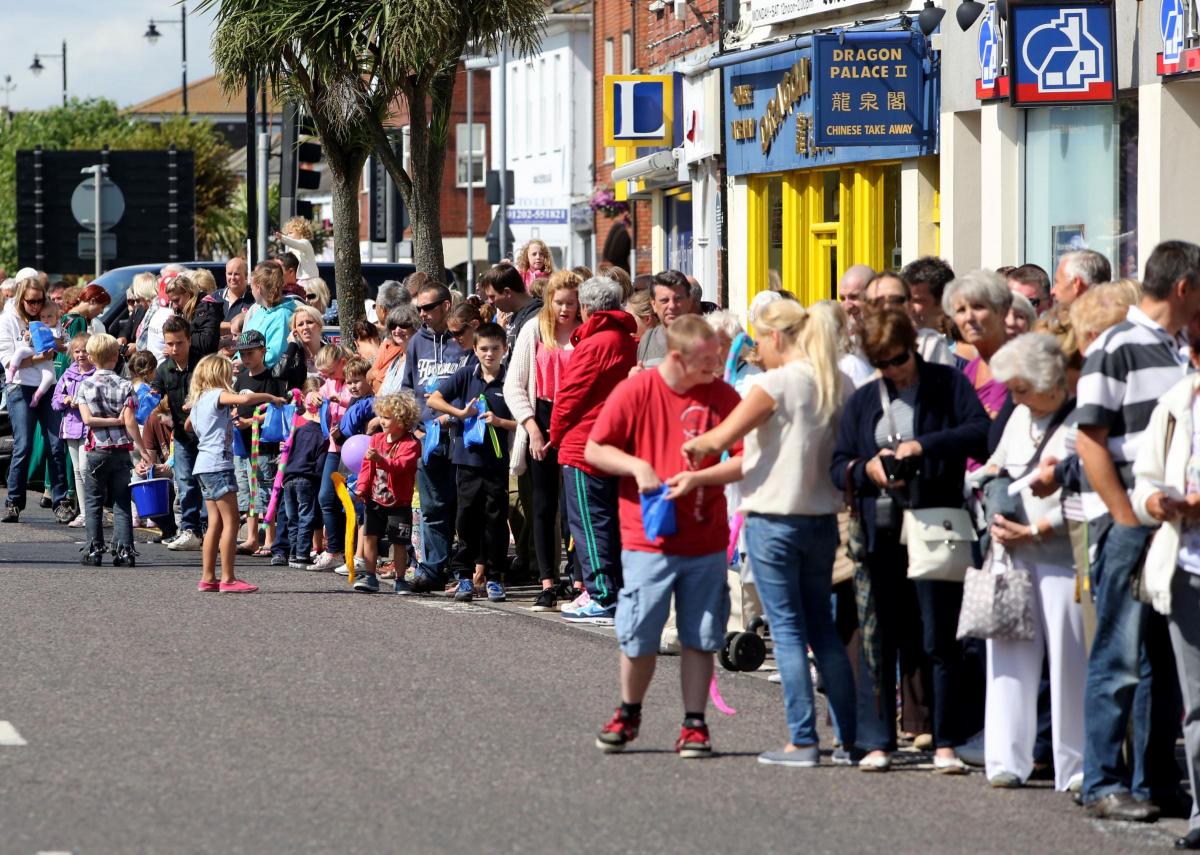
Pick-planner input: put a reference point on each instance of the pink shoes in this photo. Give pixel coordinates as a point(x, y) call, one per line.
point(237, 586)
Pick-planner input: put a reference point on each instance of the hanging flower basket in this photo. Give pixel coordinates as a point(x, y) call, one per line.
point(604, 201)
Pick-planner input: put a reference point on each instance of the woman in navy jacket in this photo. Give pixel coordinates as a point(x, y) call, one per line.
point(934, 423)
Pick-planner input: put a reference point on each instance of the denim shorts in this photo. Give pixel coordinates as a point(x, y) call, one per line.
point(214, 485)
point(701, 591)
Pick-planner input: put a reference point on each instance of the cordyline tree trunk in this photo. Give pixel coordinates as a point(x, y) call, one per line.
point(346, 168)
point(421, 186)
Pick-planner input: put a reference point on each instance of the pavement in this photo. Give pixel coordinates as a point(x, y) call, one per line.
point(308, 718)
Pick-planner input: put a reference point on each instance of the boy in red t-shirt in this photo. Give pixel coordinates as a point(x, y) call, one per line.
point(385, 486)
point(639, 436)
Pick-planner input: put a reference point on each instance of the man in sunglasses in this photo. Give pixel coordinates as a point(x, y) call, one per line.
point(1033, 283)
point(432, 355)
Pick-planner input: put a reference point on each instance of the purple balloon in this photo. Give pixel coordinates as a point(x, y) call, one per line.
point(353, 450)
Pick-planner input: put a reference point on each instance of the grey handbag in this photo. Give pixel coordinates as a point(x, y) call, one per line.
point(997, 601)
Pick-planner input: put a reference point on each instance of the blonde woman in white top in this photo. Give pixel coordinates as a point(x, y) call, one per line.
point(1035, 370)
point(789, 418)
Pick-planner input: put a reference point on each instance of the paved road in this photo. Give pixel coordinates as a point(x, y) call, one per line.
point(308, 718)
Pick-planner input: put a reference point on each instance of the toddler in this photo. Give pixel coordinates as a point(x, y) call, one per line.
point(302, 478)
point(42, 336)
point(72, 428)
point(385, 486)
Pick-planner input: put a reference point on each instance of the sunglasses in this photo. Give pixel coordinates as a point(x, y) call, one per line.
point(457, 334)
point(1036, 302)
point(308, 298)
point(889, 300)
point(406, 327)
point(36, 302)
point(894, 362)
point(429, 307)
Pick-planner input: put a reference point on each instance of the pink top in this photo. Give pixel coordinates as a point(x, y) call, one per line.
point(550, 367)
point(992, 393)
point(338, 395)
point(529, 275)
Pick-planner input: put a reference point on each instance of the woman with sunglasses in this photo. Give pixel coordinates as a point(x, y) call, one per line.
point(387, 372)
point(911, 454)
point(26, 417)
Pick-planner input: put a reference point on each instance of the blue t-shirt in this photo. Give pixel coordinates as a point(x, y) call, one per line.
point(467, 384)
point(213, 426)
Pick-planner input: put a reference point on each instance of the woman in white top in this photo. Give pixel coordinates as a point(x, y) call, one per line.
point(27, 417)
point(539, 357)
point(1033, 368)
point(789, 418)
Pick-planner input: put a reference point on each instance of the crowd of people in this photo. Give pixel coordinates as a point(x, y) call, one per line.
point(640, 454)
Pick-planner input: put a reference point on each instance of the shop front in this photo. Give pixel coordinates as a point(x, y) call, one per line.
point(831, 151)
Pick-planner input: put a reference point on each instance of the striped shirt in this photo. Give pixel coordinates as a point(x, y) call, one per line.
point(1127, 370)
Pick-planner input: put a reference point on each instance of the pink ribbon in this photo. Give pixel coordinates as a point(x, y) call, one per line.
point(718, 701)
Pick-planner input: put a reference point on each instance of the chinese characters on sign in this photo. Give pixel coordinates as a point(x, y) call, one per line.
point(867, 89)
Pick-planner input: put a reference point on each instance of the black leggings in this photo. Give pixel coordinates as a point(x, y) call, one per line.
point(546, 476)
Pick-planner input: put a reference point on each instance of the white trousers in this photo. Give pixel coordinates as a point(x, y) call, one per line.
point(78, 462)
point(1015, 670)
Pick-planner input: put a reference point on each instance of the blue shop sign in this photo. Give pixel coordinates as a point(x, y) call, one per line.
point(868, 89)
point(770, 105)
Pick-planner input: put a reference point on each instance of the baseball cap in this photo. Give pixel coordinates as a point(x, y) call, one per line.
point(251, 339)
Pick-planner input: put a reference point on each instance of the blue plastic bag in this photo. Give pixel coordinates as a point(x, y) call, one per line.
point(147, 400)
point(474, 431)
point(41, 337)
point(239, 445)
point(277, 423)
point(658, 514)
point(433, 435)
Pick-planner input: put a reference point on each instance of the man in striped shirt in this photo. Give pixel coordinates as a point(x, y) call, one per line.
point(1127, 369)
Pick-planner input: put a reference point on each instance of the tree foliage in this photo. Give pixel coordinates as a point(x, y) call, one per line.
point(348, 61)
point(92, 124)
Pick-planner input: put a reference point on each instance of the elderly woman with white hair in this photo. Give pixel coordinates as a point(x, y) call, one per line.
point(1021, 316)
point(978, 303)
point(1033, 368)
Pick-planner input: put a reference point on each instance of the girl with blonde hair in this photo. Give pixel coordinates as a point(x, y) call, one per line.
point(211, 397)
point(789, 420)
point(297, 235)
point(539, 359)
point(534, 261)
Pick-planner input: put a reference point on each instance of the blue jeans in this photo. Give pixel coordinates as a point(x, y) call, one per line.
point(108, 475)
point(792, 561)
point(1130, 672)
point(331, 506)
point(439, 503)
point(191, 502)
point(300, 502)
point(26, 418)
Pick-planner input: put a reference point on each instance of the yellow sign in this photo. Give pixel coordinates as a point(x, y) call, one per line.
point(639, 110)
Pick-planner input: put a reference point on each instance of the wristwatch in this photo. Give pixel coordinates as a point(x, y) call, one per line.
point(1035, 533)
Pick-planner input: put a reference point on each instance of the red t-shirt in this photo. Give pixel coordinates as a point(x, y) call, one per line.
point(646, 418)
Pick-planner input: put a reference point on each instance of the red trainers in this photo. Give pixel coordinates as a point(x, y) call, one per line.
point(618, 733)
point(209, 587)
point(693, 742)
point(237, 586)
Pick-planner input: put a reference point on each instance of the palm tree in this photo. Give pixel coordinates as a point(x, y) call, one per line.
point(348, 61)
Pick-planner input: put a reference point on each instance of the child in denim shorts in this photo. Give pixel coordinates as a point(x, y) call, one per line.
point(211, 398)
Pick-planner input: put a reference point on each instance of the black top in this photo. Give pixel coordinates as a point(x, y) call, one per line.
point(264, 381)
point(174, 382)
point(467, 384)
point(307, 458)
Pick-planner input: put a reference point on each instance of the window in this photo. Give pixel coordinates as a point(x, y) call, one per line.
point(560, 109)
point(1081, 184)
point(545, 96)
point(627, 52)
point(478, 154)
point(610, 154)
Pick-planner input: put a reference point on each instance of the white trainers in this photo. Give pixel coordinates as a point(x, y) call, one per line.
point(78, 522)
point(360, 566)
point(188, 541)
point(327, 561)
point(576, 604)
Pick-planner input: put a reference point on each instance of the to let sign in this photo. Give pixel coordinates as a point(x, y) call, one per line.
point(868, 88)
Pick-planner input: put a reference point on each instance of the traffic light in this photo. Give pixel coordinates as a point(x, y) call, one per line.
point(308, 155)
point(299, 159)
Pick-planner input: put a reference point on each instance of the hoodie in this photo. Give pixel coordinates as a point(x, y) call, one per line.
point(430, 357)
point(605, 351)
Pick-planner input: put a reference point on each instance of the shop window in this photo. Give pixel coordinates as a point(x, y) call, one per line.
point(1081, 184)
point(677, 211)
point(775, 232)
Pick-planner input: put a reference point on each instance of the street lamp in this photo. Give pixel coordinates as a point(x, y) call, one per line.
point(152, 35)
point(37, 68)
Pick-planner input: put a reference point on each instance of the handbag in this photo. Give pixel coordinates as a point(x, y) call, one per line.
point(939, 543)
point(997, 601)
point(1137, 585)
